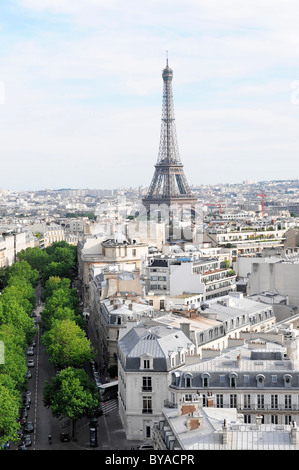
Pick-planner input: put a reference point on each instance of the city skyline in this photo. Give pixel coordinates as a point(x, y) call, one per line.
point(80, 91)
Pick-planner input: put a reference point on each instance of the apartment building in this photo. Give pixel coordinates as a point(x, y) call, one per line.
point(192, 427)
point(256, 377)
point(220, 321)
point(146, 356)
point(93, 251)
point(110, 318)
point(175, 276)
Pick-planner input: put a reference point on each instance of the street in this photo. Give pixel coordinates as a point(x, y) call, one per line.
point(110, 433)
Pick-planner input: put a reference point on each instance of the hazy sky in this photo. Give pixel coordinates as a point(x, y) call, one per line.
point(81, 90)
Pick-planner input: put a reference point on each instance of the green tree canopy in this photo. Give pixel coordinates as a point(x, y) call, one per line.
point(9, 410)
point(54, 283)
point(12, 312)
point(71, 395)
point(23, 270)
point(14, 364)
point(36, 257)
point(67, 344)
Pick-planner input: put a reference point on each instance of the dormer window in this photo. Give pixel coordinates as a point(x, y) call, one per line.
point(146, 362)
point(233, 379)
point(205, 377)
point(287, 378)
point(188, 380)
point(260, 378)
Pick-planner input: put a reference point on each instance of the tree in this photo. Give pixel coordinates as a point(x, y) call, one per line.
point(54, 283)
point(67, 344)
point(9, 411)
point(21, 290)
point(36, 257)
point(23, 270)
point(12, 312)
point(71, 395)
point(61, 298)
point(14, 365)
point(60, 313)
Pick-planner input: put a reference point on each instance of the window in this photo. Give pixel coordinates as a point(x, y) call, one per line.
point(188, 380)
point(247, 419)
point(261, 402)
point(274, 419)
point(188, 397)
point(274, 402)
point(147, 405)
point(233, 401)
point(222, 379)
point(260, 380)
point(175, 378)
point(233, 379)
point(287, 419)
point(205, 380)
point(146, 364)
point(134, 252)
point(247, 401)
point(219, 401)
point(288, 401)
point(287, 380)
point(146, 384)
point(274, 379)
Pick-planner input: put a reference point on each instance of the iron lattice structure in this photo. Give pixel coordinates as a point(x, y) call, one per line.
point(169, 185)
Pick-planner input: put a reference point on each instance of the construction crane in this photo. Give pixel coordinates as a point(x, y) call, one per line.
point(263, 195)
point(219, 205)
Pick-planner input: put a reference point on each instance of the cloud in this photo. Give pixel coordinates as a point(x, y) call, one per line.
point(83, 84)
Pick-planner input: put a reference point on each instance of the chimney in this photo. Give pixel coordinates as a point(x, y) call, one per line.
point(294, 433)
point(194, 421)
point(210, 400)
point(224, 433)
point(259, 420)
point(185, 327)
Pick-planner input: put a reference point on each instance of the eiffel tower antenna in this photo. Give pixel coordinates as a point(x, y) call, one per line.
point(169, 185)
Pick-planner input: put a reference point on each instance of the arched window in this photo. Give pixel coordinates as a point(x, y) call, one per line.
point(233, 379)
point(205, 377)
point(260, 378)
point(175, 378)
point(287, 378)
point(188, 379)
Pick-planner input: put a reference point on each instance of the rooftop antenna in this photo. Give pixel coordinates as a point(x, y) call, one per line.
point(166, 58)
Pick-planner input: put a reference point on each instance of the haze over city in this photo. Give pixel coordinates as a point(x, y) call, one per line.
point(81, 91)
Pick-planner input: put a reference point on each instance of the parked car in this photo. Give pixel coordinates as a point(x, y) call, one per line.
point(28, 374)
point(30, 351)
point(145, 447)
point(20, 435)
point(30, 363)
point(65, 437)
point(22, 447)
point(29, 427)
point(27, 440)
point(23, 419)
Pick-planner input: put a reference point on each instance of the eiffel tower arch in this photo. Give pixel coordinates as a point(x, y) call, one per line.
point(169, 189)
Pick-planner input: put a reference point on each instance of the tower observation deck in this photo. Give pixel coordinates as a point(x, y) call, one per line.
point(169, 185)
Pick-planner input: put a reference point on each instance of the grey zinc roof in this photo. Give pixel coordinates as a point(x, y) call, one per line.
point(157, 341)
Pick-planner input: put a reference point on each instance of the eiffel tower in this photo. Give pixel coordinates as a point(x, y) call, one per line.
point(169, 185)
